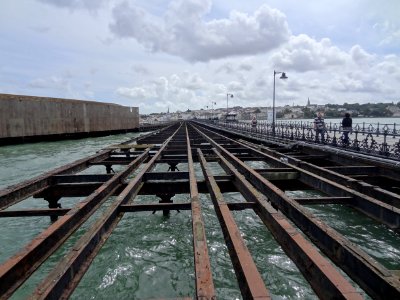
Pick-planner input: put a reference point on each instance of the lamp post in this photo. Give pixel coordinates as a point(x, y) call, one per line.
point(227, 97)
point(283, 76)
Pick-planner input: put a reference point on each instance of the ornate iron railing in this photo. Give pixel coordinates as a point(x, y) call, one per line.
point(374, 139)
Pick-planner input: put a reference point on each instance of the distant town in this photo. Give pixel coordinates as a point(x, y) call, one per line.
point(282, 112)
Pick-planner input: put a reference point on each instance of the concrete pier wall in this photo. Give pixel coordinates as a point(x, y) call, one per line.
point(32, 117)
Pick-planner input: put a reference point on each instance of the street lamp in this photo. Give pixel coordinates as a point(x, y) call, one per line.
point(283, 76)
point(227, 97)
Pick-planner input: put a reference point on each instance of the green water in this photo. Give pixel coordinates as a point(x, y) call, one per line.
point(151, 256)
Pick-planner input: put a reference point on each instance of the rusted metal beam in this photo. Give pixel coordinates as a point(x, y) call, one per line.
point(154, 207)
point(273, 170)
point(172, 185)
point(362, 268)
point(280, 175)
point(68, 190)
point(353, 170)
point(18, 268)
point(291, 185)
point(78, 178)
point(241, 205)
point(181, 187)
point(324, 200)
point(112, 161)
point(250, 281)
point(310, 156)
point(166, 175)
point(130, 146)
point(16, 193)
point(204, 281)
point(34, 212)
point(61, 282)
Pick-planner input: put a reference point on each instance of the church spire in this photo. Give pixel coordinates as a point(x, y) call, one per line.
point(308, 102)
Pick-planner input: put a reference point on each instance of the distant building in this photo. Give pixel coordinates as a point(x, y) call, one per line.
point(231, 117)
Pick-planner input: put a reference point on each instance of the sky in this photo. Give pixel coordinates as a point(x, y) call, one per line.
point(189, 54)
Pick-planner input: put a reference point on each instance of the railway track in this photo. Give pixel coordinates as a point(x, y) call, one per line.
point(333, 265)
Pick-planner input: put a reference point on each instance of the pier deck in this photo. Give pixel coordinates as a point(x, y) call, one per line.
point(334, 266)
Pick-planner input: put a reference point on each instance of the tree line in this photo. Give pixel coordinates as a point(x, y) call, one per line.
point(356, 109)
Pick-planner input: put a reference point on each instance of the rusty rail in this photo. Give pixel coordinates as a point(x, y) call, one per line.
point(250, 280)
point(204, 283)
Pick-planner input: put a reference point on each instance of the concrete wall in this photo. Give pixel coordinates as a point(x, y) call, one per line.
point(27, 116)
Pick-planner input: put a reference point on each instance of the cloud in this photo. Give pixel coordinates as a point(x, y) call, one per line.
point(165, 88)
point(303, 54)
point(390, 32)
point(137, 93)
point(53, 82)
point(357, 82)
point(141, 69)
point(184, 32)
point(40, 29)
point(63, 87)
point(225, 68)
point(235, 86)
point(360, 56)
point(246, 66)
point(179, 92)
point(389, 66)
point(91, 5)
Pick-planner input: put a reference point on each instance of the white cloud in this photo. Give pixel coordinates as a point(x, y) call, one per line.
point(356, 82)
point(62, 86)
point(360, 56)
point(179, 92)
point(235, 86)
point(302, 54)
point(137, 93)
point(76, 4)
point(246, 66)
point(225, 68)
point(53, 82)
point(390, 33)
point(184, 32)
point(141, 69)
point(41, 29)
point(389, 67)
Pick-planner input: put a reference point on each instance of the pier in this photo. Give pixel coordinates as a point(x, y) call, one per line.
point(263, 171)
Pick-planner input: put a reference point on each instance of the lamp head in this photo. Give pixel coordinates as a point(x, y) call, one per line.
point(283, 76)
point(231, 95)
